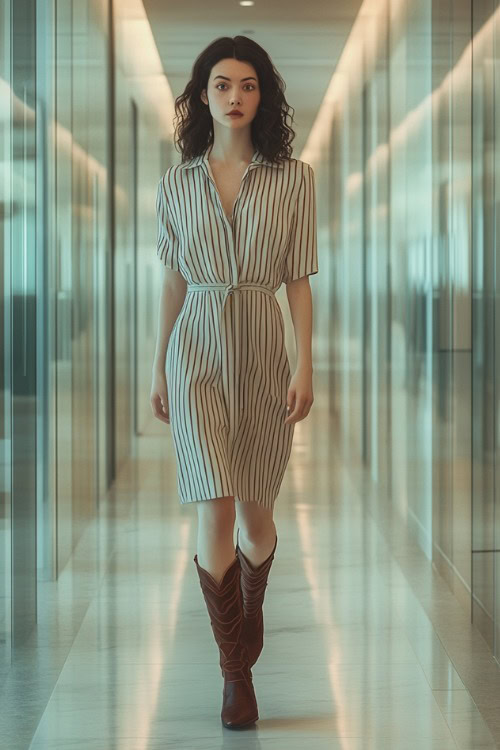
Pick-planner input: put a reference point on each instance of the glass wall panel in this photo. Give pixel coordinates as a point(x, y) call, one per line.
point(86, 262)
point(61, 146)
point(485, 166)
point(414, 242)
point(5, 322)
point(460, 81)
point(24, 236)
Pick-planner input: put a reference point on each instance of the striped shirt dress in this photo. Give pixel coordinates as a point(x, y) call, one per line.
point(227, 368)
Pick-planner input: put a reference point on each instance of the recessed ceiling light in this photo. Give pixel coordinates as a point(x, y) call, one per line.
point(246, 2)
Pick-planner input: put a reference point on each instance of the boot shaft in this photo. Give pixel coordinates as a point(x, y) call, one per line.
point(254, 581)
point(253, 587)
point(225, 608)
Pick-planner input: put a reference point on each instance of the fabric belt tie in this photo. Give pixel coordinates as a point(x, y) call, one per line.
point(232, 387)
point(229, 288)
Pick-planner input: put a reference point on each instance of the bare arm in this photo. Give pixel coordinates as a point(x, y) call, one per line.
point(299, 297)
point(172, 297)
point(300, 392)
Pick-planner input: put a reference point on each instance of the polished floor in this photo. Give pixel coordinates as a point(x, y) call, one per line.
point(365, 645)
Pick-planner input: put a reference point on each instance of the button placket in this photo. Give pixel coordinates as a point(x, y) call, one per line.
point(233, 359)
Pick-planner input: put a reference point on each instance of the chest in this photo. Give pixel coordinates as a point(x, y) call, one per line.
point(228, 183)
point(262, 216)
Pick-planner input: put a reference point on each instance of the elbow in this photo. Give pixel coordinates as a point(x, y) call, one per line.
point(174, 282)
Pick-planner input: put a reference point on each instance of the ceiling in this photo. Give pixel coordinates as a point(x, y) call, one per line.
point(303, 40)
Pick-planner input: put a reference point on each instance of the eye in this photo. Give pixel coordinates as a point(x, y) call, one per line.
point(223, 84)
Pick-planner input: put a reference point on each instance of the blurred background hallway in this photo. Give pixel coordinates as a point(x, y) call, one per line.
point(382, 614)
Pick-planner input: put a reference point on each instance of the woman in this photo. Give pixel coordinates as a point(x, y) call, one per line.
point(235, 220)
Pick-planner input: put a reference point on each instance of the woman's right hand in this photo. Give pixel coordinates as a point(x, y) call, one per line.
point(159, 397)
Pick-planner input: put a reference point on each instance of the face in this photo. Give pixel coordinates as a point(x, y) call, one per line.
point(232, 84)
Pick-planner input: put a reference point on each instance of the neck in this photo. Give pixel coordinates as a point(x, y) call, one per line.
point(231, 148)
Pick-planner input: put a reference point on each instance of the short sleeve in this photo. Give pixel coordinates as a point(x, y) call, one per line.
point(167, 244)
point(302, 254)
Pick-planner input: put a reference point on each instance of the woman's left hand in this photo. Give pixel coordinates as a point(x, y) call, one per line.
point(300, 395)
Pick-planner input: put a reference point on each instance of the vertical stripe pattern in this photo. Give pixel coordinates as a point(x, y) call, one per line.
point(227, 367)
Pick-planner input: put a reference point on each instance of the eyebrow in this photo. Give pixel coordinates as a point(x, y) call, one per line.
point(250, 78)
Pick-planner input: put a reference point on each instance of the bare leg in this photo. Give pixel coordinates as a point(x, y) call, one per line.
point(216, 549)
point(257, 534)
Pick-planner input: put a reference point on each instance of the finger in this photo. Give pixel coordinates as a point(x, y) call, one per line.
point(298, 406)
point(298, 412)
point(157, 406)
point(162, 417)
point(292, 417)
point(163, 403)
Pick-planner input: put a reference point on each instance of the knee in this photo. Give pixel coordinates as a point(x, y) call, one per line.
point(218, 514)
point(255, 526)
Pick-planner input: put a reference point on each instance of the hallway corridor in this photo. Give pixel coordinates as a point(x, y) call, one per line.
point(382, 611)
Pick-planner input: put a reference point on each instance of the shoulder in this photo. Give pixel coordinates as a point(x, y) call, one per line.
point(167, 182)
point(174, 177)
point(165, 178)
point(300, 167)
point(300, 175)
point(304, 166)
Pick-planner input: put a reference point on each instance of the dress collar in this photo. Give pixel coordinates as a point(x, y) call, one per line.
point(257, 158)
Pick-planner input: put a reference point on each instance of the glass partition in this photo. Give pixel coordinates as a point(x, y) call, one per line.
point(414, 244)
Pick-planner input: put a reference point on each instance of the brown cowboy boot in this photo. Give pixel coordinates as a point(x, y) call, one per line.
point(253, 587)
point(225, 608)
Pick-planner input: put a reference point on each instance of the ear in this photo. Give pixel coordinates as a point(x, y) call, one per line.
point(203, 96)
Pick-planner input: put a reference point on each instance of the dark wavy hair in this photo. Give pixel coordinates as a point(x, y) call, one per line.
point(269, 130)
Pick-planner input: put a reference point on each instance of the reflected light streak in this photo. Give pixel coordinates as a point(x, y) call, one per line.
point(140, 62)
point(354, 182)
point(322, 612)
point(162, 646)
point(356, 53)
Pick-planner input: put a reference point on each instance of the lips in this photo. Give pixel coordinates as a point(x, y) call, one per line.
point(235, 112)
